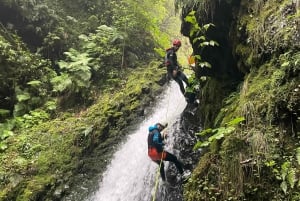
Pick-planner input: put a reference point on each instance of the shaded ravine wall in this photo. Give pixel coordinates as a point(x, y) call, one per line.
point(254, 75)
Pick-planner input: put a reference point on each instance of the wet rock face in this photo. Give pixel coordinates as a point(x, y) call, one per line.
point(183, 148)
point(221, 14)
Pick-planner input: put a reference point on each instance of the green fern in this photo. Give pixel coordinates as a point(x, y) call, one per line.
point(76, 73)
point(284, 169)
point(61, 83)
point(291, 177)
point(217, 133)
point(288, 176)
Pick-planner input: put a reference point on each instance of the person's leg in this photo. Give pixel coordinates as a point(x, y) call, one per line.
point(161, 170)
point(183, 77)
point(179, 81)
point(172, 158)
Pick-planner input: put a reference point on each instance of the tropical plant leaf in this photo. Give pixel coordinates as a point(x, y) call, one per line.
point(23, 97)
point(284, 169)
point(207, 26)
point(285, 64)
point(204, 64)
point(291, 177)
point(51, 105)
point(217, 136)
point(198, 57)
point(4, 112)
point(191, 18)
point(200, 144)
point(236, 121)
point(283, 186)
point(88, 130)
point(34, 83)
point(205, 132)
point(298, 155)
point(61, 83)
point(213, 43)
point(201, 38)
point(203, 44)
point(6, 134)
point(3, 146)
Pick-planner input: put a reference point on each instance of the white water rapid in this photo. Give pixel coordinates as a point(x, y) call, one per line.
point(131, 174)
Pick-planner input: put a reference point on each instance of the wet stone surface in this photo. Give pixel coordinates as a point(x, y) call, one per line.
point(184, 142)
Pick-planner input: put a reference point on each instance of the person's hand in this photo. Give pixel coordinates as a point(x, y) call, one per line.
point(174, 73)
point(164, 135)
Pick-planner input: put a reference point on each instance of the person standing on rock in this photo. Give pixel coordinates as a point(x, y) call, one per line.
point(156, 151)
point(173, 67)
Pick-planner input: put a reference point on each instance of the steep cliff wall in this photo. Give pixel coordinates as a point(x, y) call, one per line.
point(258, 157)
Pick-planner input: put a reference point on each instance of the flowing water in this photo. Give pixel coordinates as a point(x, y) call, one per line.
point(131, 175)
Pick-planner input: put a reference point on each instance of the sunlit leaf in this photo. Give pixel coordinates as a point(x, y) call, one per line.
point(205, 132)
point(204, 64)
point(283, 186)
point(200, 144)
point(23, 97)
point(236, 121)
point(34, 83)
point(291, 177)
point(284, 169)
point(298, 155)
point(6, 134)
point(206, 26)
point(213, 43)
point(285, 64)
point(3, 146)
point(88, 131)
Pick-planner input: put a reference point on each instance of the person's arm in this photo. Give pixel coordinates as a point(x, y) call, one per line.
point(163, 132)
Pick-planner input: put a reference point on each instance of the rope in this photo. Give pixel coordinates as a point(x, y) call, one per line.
point(161, 160)
point(168, 104)
point(177, 105)
point(157, 177)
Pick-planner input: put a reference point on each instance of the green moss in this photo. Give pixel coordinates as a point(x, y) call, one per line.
point(263, 101)
point(211, 97)
point(52, 150)
point(36, 187)
point(198, 186)
point(268, 27)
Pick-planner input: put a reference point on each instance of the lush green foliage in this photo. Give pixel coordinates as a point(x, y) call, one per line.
point(217, 133)
point(45, 151)
point(259, 160)
point(200, 40)
point(124, 35)
point(79, 53)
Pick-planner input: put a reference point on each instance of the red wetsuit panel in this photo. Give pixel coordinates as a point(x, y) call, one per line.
point(156, 156)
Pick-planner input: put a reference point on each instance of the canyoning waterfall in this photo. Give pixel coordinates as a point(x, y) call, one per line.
point(131, 175)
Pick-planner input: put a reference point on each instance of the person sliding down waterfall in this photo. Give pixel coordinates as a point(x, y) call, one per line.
point(172, 66)
point(156, 151)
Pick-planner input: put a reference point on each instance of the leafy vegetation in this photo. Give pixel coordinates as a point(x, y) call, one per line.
point(74, 74)
point(258, 160)
point(217, 133)
point(200, 40)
